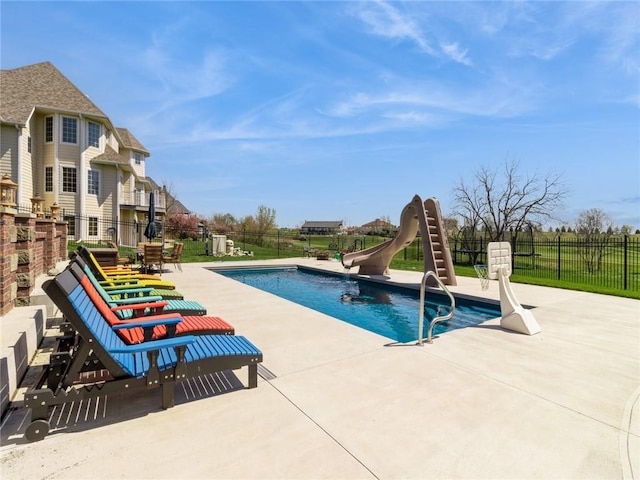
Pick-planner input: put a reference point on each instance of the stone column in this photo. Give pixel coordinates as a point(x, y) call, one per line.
point(8, 259)
point(25, 247)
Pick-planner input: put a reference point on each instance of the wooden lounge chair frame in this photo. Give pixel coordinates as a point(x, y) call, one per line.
point(157, 364)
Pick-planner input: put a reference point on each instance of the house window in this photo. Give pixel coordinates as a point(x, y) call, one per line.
point(93, 226)
point(93, 182)
point(29, 144)
point(48, 179)
point(69, 130)
point(48, 129)
point(69, 180)
point(138, 158)
point(71, 225)
point(94, 135)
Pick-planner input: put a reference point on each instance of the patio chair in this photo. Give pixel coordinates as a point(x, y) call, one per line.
point(152, 259)
point(152, 304)
point(174, 258)
point(124, 368)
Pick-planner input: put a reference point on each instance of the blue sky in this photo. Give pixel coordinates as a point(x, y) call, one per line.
point(345, 110)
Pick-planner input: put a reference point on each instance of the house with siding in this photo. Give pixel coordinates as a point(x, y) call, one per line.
point(57, 145)
point(318, 227)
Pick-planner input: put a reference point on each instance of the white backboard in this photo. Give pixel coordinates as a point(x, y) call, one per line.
point(498, 256)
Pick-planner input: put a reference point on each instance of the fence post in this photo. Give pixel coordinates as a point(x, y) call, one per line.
point(278, 247)
point(626, 250)
point(559, 257)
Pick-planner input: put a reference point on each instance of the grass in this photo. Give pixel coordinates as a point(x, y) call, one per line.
point(543, 272)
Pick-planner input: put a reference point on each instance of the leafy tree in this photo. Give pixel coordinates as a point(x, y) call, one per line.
point(182, 226)
point(498, 204)
point(264, 221)
point(593, 229)
point(626, 229)
point(222, 223)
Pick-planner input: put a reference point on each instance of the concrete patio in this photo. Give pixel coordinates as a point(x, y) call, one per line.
point(334, 402)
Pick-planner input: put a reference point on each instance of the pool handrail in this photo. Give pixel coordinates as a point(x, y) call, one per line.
point(438, 318)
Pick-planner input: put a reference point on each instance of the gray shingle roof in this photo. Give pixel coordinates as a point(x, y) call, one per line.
point(130, 141)
point(322, 224)
point(40, 85)
point(110, 156)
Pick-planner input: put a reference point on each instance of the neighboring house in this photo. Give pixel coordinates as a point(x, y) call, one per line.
point(322, 228)
point(377, 226)
point(57, 144)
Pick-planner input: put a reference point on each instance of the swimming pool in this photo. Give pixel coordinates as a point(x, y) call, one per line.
point(383, 309)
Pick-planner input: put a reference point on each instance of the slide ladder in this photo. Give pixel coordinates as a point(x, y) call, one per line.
point(437, 256)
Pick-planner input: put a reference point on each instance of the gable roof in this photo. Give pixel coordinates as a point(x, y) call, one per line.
point(40, 86)
point(110, 156)
point(129, 141)
point(377, 223)
point(175, 205)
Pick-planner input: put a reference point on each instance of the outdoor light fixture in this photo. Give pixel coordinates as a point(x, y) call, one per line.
point(55, 211)
point(8, 191)
point(36, 205)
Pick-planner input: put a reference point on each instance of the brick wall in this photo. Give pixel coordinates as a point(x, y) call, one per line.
point(29, 247)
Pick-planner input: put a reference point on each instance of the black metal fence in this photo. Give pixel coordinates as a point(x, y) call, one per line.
point(607, 261)
point(604, 261)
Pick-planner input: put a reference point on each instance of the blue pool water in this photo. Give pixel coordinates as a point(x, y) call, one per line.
point(384, 309)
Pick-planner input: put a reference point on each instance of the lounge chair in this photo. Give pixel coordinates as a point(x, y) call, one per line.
point(129, 288)
point(124, 368)
point(153, 304)
point(122, 278)
point(190, 324)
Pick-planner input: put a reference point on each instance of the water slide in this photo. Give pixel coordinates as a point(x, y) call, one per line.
point(416, 216)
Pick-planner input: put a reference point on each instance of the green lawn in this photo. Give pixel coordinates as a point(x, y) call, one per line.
point(538, 270)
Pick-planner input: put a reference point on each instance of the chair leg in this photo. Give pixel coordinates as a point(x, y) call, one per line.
point(168, 395)
point(253, 375)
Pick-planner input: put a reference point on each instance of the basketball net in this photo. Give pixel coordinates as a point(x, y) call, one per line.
point(483, 275)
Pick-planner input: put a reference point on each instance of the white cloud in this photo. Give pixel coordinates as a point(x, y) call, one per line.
point(453, 51)
point(386, 21)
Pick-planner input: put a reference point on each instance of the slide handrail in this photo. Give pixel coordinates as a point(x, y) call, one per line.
point(439, 318)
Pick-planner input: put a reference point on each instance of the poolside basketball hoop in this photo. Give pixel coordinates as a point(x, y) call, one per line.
point(483, 275)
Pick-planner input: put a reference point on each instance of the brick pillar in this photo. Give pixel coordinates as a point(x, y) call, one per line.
point(8, 259)
point(61, 240)
point(47, 228)
point(26, 249)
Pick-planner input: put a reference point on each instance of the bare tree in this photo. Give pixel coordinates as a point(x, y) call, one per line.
point(170, 197)
point(593, 230)
point(498, 204)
